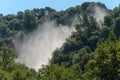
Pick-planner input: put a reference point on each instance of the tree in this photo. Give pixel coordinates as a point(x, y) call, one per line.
point(29, 20)
point(117, 26)
point(105, 65)
point(54, 72)
point(6, 56)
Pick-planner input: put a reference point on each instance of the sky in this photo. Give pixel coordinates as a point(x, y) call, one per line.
point(13, 6)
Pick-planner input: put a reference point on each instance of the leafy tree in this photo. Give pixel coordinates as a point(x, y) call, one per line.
point(6, 56)
point(105, 65)
point(53, 72)
point(29, 21)
point(117, 26)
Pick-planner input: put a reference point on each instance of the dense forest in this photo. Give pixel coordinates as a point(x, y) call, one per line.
point(92, 52)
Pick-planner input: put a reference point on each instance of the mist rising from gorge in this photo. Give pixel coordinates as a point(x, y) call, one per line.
point(99, 13)
point(36, 48)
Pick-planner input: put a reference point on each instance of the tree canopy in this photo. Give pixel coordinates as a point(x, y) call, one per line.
point(92, 52)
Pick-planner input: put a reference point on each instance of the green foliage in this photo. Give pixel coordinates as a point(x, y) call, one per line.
point(105, 64)
point(9, 70)
point(54, 72)
point(6, 56)
point(108, 20)
point(87, 47)
point(113, 20)
point(117, 26)
point(29, 20)
point(77, 48)
point(90, 53)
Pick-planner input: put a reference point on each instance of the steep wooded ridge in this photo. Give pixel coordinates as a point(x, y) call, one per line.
point(29, 20)
point(92, 52)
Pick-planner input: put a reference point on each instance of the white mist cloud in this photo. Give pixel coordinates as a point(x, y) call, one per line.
point(36, 48)
point(99, 13)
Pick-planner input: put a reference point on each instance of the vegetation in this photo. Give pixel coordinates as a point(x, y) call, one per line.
point(90, 53)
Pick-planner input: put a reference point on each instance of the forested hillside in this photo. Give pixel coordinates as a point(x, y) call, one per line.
point(92, 52)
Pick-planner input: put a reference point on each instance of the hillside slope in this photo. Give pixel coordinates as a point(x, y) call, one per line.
point(92, 52)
